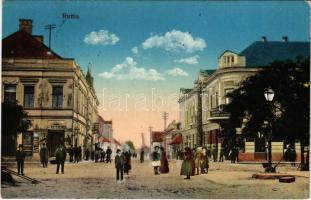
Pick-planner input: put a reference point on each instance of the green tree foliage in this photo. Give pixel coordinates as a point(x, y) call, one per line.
point(288, 113)
point(14, 119)
point(130, 144)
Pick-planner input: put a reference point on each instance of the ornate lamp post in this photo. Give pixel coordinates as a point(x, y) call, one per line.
point(269, 94)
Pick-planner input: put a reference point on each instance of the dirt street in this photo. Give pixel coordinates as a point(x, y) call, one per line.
point(97, 180)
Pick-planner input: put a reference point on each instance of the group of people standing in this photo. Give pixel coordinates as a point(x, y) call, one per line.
point(159, 161)
point(75, 154)
point(194, 162)
point(100, 155)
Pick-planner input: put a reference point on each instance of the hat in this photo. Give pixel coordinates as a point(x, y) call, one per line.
point(156, 147)
point(118, 150)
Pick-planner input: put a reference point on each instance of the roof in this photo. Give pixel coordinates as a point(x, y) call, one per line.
point(260, 54)
point(226, 52)
point(185, 90)
point(157, 136)
point(24, 45)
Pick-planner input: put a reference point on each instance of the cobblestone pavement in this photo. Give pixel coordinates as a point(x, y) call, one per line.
point(97, 180)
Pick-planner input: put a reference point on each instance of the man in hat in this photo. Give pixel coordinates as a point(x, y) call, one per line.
point(20, 157)
point(119, 164)
point(60, 154)
point(156, 160)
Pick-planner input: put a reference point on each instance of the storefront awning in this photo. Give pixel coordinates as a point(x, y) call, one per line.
point(176, 140)
point(103, 140)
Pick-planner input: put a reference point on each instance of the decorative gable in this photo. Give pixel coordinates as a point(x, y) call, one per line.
point(230, 59)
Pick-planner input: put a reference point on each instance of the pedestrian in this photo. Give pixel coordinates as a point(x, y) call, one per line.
point(102, 155)
point(156, 163)
point(232, 155)
point(214, 153)
point(44, 155)
point(70, 151)
point(80, 153)
point(204, 161)
point(127, 162)
point(198, 158)
point(92, 155)
point(142, 156)
point(209, 153)
point(221, 155)
point(186, 166)
point(119, 165)
point(292, 156)
point(60, 154)
point(20, 157)
point(108, 153)
point(164, 162)
point(76, 154)
point(87, 154)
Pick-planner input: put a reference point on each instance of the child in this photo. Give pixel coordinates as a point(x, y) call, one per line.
point(119, 164)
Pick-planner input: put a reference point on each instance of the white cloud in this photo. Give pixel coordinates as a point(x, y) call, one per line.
point(128, 70)
point(102, 37)
point(176, 72)
point(175, 41)
point(135, 50)
point(190, 61)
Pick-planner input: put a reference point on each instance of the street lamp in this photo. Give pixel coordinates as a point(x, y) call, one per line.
point(269, 94)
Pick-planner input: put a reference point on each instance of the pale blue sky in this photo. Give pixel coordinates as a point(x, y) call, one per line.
point(220, 25)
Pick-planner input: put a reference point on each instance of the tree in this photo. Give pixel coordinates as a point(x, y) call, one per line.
point(130, 144)
point(14, 120)
point(288, 114)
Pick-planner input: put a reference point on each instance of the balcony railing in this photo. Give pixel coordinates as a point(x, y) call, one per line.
point(219, 112)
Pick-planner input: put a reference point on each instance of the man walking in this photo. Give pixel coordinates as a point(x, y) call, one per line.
point(44, 155)
point(20, 157)
point(60, 154)
point(142, 156)
point(214, 152)
point(119, 164)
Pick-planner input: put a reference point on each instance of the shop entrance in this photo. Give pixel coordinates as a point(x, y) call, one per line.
point(55, 138)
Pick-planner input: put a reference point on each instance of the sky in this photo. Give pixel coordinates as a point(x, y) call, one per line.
point(142, 52)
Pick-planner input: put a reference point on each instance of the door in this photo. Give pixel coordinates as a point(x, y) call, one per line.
point(55, 138)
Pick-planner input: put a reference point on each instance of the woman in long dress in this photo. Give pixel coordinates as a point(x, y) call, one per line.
point(164, 162)
point(186, 166)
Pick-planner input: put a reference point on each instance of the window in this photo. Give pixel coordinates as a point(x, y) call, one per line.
point(57, 99)
point(29, 92)
point(227, 91)
point(232, 59)
point(10, 93)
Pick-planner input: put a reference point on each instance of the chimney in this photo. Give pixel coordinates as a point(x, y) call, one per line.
point(264, 39)
point(25, 25)
point(285, 39)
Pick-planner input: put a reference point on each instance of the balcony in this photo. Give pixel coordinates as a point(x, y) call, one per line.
point(219, 113)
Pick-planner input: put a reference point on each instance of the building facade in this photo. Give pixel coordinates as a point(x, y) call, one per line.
point(61, 105)
point(212, 87)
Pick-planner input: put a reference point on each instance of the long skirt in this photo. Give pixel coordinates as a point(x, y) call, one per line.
point(186, 168)
point(164, 166)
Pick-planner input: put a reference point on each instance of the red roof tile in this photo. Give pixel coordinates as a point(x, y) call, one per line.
point(25, 46)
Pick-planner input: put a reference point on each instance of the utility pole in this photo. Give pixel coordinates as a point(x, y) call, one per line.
point(150, 133)
point(165, 117)
point(50, 27)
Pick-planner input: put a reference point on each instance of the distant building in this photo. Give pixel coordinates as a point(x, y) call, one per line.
point(61, 105)
point(173, 139)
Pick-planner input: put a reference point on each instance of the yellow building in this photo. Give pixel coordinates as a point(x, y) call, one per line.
point(211, 88)
point(61, 105)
